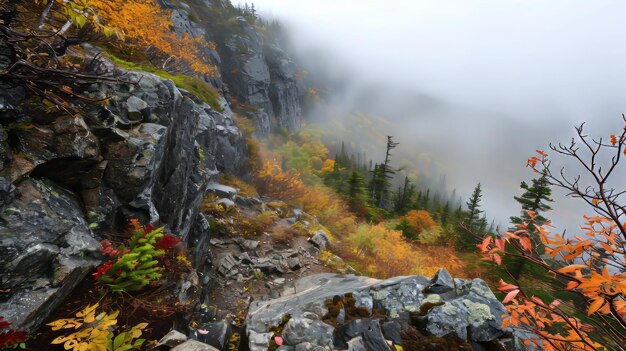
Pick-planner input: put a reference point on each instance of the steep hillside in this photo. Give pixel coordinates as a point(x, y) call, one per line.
point(118, 120)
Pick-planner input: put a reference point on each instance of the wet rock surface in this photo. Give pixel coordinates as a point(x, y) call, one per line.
point(149, 154)
point(46, 249)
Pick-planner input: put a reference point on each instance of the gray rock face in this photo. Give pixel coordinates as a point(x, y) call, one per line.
point(474, 309)
point(46, 248)
point(320, 239)
point(161, 168)
point(150, 154)
point(263, 77)
point(286, 90)
point(299, 330)
point(442, 282)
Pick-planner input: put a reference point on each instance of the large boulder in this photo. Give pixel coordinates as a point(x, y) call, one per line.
point(365, 313)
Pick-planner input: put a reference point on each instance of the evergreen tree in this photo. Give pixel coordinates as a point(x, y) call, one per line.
point(474, 222)
point(382, 175)
point(404, 196)
point(425, 201)
point(445, 213)
point(356, 190)
point(535, 198)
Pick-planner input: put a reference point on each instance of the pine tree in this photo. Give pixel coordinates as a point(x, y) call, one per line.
point(356, 190)
point(404, 195)
point(474, 222)
point(445, 213)
point(535, 198)
point(383, 175)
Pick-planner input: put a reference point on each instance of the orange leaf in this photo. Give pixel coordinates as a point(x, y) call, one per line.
point(613, 139)
point(595, 306)
point(607, 247)
point(571, 268)
point(526, 243)
point(510, 296)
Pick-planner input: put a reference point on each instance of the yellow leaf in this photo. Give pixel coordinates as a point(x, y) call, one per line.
point(70, 344)
point(59, 340)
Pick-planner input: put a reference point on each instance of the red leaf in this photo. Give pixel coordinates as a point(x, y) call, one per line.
point(167, 242)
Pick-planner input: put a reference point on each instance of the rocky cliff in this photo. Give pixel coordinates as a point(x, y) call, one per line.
point(257, 72)
point(148, 153)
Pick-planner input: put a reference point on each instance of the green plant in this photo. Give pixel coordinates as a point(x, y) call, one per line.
point(132, 268)
point(94, 332)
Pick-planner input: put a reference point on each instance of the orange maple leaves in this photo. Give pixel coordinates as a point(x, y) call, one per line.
point(534, 160)
point(591, 265)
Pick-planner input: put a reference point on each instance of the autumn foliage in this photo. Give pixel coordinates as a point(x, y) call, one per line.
point(417, 221)
point(384, 252)
point(136, 27)
point(590, 265)
point(144, 25)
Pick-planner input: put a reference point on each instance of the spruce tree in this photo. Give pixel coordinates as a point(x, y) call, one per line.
point(356, 190)
point(404, 195)
point(535, 198)
point(445, 213)
point(475, 223)
point(384, 175)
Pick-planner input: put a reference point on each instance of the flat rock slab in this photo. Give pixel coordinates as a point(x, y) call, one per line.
point(305, 293)
point(193, 345)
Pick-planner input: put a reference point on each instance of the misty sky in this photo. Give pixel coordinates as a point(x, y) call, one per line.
point(505, 76)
